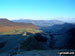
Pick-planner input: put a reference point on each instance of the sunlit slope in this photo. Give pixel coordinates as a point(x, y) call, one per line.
point(7, 25)
point(21, 31)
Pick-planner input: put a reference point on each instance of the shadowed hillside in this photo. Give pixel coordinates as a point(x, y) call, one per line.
point(37, 41)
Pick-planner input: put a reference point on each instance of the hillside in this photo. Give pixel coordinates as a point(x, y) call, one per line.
point(22, 37)
point(6, 25)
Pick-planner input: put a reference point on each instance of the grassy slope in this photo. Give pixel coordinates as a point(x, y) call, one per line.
point(20, 31)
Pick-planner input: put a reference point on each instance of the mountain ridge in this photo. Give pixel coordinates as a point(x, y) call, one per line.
point(6, 25)
point(40, 22)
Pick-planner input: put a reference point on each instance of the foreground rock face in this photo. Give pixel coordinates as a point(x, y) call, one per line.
point(38, 41)
point(48, 41)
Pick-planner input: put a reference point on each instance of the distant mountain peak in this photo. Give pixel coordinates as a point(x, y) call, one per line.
point(40, 22)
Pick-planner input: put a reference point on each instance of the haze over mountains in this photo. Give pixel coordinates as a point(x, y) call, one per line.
point(40, 22)
point(50, 26)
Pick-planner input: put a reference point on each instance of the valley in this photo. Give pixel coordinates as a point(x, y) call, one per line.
point(24, 38)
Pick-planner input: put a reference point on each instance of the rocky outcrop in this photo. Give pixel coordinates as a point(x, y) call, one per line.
point(39, 41)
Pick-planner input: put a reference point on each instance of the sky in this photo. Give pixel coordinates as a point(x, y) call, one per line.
point(37, 9)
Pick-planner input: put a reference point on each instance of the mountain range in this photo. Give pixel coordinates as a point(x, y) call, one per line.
point(40, 22)
point(51, 26)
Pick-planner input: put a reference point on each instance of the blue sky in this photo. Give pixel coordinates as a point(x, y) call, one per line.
point(37, 9)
